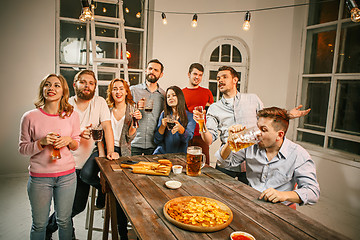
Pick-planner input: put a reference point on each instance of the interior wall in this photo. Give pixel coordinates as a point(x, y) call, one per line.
point(27, 55)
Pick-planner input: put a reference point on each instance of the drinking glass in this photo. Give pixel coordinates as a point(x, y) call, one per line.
point(195, 160)
point(201, 120)
point(97, 133)
point(55, 153)
point(170, 122)
point(242, 139)
point(149, 103)
point(135, 122)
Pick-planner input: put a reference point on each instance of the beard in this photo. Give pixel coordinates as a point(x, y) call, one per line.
point(80, 94)
point(151, 78)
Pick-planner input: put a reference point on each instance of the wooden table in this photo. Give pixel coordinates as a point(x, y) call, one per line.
point(142, 198)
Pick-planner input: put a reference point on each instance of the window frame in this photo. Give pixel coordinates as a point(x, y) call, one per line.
point(335, 77)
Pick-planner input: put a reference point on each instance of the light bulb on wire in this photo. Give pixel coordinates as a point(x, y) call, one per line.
point(86, 13)
point(246, 25)
point(194, 21)
point(138, 15)
point(127, 10)
point(354, 10)
point(163, 16)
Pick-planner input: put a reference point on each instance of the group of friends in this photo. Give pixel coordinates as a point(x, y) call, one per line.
point(280, 169)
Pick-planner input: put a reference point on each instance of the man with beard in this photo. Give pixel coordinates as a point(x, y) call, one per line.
point(275, 164)
point(143, 142)
point(195, 95)
point(233, 108)
point(93, 111)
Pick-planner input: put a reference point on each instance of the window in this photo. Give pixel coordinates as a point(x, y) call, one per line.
point(225, 51)
point(74, 45)
point(331, 79)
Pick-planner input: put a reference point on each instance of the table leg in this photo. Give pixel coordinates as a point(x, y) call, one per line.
point(106, 218)
point(113, 216)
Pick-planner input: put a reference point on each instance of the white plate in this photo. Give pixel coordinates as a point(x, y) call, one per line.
point(173, 184)
point(251, 237)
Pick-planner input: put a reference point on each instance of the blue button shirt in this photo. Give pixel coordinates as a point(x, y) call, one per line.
point(145, 133)
point(222, 115)
point(291, 165)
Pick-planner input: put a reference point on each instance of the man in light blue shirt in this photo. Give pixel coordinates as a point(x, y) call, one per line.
point(143, 142)
point(275, 164)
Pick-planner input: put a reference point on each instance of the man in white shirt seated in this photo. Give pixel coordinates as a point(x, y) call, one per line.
point(275, 164)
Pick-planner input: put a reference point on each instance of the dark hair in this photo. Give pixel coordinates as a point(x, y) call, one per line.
point(82, 72)
point(181, 106)
point(198, 66)
point(158, 62)
point(228, 68)
point(279, 116)
point(109, 98)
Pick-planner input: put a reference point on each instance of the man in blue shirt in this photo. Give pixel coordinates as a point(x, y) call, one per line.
point(143, 142)
point(275, 164)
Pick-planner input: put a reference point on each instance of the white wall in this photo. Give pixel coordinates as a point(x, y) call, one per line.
point(27, 55)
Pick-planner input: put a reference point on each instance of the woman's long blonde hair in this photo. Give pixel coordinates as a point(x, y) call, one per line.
point(65, 108)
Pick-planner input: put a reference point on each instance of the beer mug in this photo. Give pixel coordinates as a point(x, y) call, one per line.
point(245, 138)
point(195, 161)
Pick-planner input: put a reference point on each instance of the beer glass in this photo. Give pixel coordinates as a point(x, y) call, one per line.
point(149, 103)
point(55, 153)
point(195, 161)
point(135, 122)
point(170, 119)
point(97, 133)
point(242, 139)
point(201, 120)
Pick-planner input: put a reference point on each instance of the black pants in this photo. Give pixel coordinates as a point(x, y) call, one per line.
point(240, 175)
point(139, 151)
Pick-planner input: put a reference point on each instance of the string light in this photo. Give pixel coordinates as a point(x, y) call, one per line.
point(87, 14)
point(138, 15)
point(354, 10)
point(246, 25)
point(163, 16)
point(127, 10)
point(194, 21)
point(104, 10)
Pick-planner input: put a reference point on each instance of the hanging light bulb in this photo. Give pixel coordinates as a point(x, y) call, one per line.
point(194, 21)
point(354, 10)
point(87, 13)
point(246, 25)
point(127, 10)
point(138, 15)
point(163, 16)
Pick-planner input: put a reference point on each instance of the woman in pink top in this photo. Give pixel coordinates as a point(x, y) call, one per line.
point(52, 125)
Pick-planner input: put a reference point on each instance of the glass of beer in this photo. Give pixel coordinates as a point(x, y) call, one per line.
point(149, 103)
point(97, 133)
point(55, 153)
point(170, 119)
point(195, 161)
point(201, 120)
point(135, 122)
point(242, 139)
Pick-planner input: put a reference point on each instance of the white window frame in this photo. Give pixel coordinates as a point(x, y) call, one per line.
point(242, 67)
point(335, 78)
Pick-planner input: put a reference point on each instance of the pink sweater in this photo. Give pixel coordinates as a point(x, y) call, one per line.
point(35, 124)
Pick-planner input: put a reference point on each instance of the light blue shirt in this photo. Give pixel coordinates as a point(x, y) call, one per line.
point(221, 115)
point(291, 165)
point(145, 133)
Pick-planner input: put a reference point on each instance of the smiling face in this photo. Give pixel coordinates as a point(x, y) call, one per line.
point(153, 72)
point(52, 90)
point(118, 92)
point(226, 82)
point(85, 87)
point(195, 77)
point(171, 98)
point(270, 136)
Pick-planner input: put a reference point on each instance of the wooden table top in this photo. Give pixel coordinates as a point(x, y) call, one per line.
point(142, 198)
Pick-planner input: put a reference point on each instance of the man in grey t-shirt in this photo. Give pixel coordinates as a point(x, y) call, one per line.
point(142, 93)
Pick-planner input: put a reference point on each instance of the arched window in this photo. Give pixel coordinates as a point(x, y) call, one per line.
point(225, 51)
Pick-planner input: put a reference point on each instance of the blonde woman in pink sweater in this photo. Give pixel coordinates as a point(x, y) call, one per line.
point(52, 125)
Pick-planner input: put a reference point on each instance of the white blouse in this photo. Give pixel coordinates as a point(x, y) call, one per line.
point(117, 127)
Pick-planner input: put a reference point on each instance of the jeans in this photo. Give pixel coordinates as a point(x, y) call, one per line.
point(139, 151)
point(241, 175)
point(78, 203)
point(40, 191)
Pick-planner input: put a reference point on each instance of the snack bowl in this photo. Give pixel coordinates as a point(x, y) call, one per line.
point(177, 169)
point(173, 184)
point(241, 235)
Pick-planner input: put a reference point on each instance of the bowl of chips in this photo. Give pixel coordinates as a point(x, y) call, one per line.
point(198, 214)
